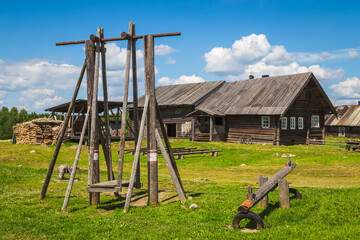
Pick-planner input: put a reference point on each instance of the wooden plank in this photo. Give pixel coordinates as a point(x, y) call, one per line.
point(169, 165)
point(62, 134)
point(124, 112)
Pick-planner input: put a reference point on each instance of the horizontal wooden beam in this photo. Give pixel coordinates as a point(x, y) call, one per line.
point(120, 38)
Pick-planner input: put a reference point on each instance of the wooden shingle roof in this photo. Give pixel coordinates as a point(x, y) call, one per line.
point(81, 105)
point(183, 94)
point(261, 96)
point(348, 115)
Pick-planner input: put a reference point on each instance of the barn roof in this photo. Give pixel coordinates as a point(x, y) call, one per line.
point(183, 94)
point(348, 115)
point(261, 96)
point(79, 104)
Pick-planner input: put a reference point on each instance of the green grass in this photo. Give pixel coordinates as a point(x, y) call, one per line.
point(329, 181)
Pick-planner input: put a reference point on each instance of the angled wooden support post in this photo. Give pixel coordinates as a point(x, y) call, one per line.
point(124, 111)
point(135, 100)
point(62, 133)
point(137, 154)
point(106, 109)
point(264, 202)
point(94, 140)
point(175, 179)
point(168, 145)
point(77, 157)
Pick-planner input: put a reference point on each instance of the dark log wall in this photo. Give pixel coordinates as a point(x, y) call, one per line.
point(173, 115)
point(250, 127)
point(309, 102)
point(350, 132)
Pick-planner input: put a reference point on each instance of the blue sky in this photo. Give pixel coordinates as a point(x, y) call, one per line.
point(221, 40)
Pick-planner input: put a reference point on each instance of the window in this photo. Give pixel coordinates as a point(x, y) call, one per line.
point(284, 123)
point(315, 123)
point(341, 131)
point(265, 122)
point(300, 123)
point(292, 123)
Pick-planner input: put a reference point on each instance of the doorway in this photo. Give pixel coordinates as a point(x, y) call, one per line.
point(171, 130)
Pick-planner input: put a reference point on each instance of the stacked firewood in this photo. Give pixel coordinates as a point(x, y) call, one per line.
point(37, 131)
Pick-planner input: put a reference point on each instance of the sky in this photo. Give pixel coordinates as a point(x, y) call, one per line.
point(220, 40)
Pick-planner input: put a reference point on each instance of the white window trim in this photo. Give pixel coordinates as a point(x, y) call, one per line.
point(312, 121)
point(263, 120)
point(302, 123)
point(283, 123)
point(292, 123)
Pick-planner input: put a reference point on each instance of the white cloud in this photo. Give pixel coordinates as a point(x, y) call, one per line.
point(36, 73)
point(181, 80)
point(3, 94)
point(348, 89)
point(353, 54)
point(163, 50)
point(170, 61)
point(254, 55)
point(33, 94)
point(49, 102)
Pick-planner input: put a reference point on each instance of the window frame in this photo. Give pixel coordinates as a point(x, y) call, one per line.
point(302, 123)
point(292, 123)
point(284, 123)
point(312, 121)
point(263, 120)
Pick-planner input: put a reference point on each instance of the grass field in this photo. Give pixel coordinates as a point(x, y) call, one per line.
point(329, 181)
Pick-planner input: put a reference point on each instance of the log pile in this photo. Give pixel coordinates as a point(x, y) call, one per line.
point(37, 131)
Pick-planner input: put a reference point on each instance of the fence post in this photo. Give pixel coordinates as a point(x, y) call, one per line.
point(264, 201)
point(284, 196)
point(339, 146)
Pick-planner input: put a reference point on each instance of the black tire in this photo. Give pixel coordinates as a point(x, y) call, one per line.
point(295, 192)
point(250, 215)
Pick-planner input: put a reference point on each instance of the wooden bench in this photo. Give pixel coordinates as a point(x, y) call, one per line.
point(352, 145)
point(212, 153)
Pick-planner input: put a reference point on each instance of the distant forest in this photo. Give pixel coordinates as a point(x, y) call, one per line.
point(9, 118)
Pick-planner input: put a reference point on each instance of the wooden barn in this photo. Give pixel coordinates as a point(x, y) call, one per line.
point(78, 117)
point(346, 123)
point(176, 102)
point(269, 110)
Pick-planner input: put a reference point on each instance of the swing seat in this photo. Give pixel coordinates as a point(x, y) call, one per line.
point(109, 186)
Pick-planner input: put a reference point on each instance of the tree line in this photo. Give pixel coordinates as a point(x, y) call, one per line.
point(9, 118)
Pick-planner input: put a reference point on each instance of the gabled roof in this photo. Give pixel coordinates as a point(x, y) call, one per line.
point(348, 115)
point(183, 94)
point(261, 96)
point(80, 103)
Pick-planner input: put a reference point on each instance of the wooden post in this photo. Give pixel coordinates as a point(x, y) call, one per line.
point(77, 157)
point(339, 146)
point(264, 201)
point(124, 111)
point(211, 129)
point(62, 133)
point(135, 100)
point(137, 154)
point(152, 151)
point(167, 143)
point(90, 70)
point(284, 197)
point(308, 138)
point(249, 195)
point(106, 109)
point(193, 128)
point(94, 141)
point(176, 180)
